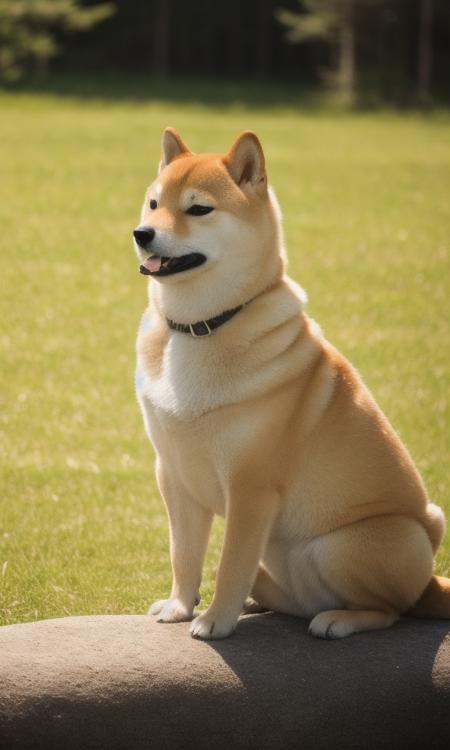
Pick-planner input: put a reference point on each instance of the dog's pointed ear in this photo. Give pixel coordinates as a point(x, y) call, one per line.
point(245, 161)
point(172, 145)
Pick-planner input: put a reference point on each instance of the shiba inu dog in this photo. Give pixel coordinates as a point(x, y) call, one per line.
point(255, 416)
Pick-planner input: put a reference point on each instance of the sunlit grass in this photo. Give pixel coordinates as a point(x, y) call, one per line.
point(366, 205)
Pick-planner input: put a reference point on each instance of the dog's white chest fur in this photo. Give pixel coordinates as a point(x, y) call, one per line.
point(193, 378)
point(198, 375)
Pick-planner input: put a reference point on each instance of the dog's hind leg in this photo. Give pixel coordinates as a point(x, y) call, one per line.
point(338, 623)
point(378, 568)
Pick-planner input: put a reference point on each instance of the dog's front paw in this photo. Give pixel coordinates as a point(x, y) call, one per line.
point(171, 610)
point(208, 626)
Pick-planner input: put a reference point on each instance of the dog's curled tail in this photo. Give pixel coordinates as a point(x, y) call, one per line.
point(435, 600)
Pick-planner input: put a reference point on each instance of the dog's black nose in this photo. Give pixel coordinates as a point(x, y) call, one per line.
point(143, 236)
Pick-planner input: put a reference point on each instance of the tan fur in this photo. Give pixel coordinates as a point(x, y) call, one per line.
point(265, 423)
point(435, 600)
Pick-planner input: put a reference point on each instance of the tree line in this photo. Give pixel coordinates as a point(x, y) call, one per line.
point(389, 50)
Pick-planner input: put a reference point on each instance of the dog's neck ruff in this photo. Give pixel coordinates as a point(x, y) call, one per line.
point(204, 327)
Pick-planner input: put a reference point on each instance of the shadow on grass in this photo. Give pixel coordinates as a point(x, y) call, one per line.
point(181, 90)
point(221, 93)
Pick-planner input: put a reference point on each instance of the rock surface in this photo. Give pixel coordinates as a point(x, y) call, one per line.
point(113, 682)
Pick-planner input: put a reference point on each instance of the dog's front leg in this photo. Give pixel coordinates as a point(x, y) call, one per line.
point(190, 525)
point(249, 519)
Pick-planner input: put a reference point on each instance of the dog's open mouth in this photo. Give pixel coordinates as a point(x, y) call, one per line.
point(159, 265)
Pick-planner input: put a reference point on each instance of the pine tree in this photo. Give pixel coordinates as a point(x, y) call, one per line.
point(29, 28)
point(333, 22)
point(425, 51)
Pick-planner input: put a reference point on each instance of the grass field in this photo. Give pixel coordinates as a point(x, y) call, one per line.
point(366, 200)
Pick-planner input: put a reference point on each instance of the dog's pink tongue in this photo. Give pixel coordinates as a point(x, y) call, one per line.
point(152, 264)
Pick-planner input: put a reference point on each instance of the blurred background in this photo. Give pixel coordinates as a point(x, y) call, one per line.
point(350, 99)
point(366, 51)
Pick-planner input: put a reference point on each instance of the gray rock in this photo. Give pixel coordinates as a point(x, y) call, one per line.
point(128, 682)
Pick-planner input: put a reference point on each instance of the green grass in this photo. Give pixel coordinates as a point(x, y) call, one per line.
point(366, 201)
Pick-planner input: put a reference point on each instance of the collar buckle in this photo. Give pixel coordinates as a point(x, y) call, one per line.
point(204, 327)
point(200, 329)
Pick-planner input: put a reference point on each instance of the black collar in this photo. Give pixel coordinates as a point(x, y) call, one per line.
point(204, 327)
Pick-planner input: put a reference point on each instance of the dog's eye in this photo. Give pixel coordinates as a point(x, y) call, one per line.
point(197, 210)
point(153, 204)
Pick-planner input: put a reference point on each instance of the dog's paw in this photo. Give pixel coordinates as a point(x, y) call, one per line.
point(171, 610)
point(207, 626)
point(331, 625)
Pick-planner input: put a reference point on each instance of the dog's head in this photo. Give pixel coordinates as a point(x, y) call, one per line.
point(210, 223)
